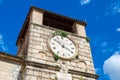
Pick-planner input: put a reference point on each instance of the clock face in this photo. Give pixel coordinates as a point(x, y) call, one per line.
point(62, 46)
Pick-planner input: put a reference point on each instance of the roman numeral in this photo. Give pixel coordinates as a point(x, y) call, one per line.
point(71, 52)
point(68, 54)
point(57, 37)
point(54, 39)
point(58, 52)
point(72, 48)
point(54, 47)
point(53, 43)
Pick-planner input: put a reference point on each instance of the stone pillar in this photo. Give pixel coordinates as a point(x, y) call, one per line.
point(79, 29)
point(37, 17)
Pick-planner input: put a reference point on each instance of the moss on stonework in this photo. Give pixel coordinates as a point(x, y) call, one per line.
point(61, 33)
point(56, 57)
point(87, 39)
point(81, 78)
point(77, 57)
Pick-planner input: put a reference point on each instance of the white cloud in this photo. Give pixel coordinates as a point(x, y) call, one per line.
point(104, 44)
point(98, 70)
point(114, 8)
point(2, 45)
point(118, 47)
point(118, 29)
point(1, 39)
point(83, 2)
point(111, 66)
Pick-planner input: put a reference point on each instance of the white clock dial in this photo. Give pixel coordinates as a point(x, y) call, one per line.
point(62, 46)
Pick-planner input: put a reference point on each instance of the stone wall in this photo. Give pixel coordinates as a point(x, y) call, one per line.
point(34, 48)
point(9, 70)
point(34, 73)
point(38, 51)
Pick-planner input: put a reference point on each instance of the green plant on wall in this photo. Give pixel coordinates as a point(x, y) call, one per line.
point(21, 56)
point(87, 39)
point(61, 33)
point(56, 78)
point(57, 66)
point(77, 57)
point(56, 57)
point(81, 78)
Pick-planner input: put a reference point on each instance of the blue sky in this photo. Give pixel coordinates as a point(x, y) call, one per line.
point(103, 27)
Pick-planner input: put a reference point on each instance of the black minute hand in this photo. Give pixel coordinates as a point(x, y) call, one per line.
point(67, 48)
point(58, 42)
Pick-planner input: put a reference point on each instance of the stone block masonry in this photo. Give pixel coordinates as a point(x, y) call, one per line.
point(35, 61)
point(38, 50)
point(9, 70)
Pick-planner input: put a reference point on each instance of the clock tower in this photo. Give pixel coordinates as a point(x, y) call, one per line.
point(54, 47)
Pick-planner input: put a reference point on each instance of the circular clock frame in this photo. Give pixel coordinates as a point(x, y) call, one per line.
point(49, 47)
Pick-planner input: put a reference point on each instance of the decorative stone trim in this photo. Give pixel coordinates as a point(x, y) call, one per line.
point(57, 29)
point(44, 66)
point(83, 74)
point(7, 56)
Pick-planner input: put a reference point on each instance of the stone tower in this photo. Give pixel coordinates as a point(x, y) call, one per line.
point(48, 58)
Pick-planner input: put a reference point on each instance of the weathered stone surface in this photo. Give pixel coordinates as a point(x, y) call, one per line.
point(63, 76)
point(37, 17)
point(38, 39)
point(9, 71)
point(33, 44)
